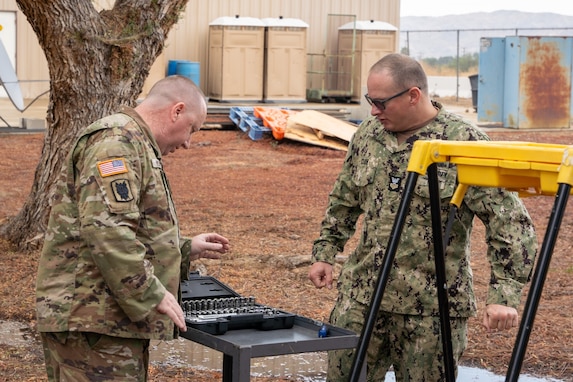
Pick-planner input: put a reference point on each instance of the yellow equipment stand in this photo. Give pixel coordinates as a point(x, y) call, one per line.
point(530, 169)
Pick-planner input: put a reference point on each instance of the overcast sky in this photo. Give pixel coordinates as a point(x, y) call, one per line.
point(453, 7)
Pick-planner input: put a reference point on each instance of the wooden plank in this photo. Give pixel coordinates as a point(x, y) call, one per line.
point(324, 123)
point(305, 134)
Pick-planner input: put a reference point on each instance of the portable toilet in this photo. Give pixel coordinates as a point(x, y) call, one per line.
point(360, 45)
point(236, 59)
point(285, 60)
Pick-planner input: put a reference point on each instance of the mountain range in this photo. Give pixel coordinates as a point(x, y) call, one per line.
point(439, 36)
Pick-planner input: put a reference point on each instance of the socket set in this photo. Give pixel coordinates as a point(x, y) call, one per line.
point(213, 307)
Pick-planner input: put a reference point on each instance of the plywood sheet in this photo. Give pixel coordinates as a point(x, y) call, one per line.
point(324, 123)
point(306, 134)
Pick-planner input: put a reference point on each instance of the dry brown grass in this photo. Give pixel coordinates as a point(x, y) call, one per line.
point(269, 199)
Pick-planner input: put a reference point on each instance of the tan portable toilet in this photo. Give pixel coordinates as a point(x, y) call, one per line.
point(362, 43)
point(236, 58)
point(285, 60)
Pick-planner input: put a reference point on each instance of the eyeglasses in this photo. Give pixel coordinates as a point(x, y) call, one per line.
point(381, 103)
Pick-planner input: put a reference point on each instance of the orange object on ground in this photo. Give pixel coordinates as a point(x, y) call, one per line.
point(273, 118)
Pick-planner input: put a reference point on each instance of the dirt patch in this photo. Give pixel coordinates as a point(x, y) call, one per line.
point(268, 198)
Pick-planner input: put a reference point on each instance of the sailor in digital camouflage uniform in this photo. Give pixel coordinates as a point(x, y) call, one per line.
point(113, 258)
point(371, 184)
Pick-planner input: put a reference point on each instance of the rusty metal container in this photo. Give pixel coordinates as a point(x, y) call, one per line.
point(525, 82)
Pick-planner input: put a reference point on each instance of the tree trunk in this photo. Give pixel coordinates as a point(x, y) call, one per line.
point(98, 61)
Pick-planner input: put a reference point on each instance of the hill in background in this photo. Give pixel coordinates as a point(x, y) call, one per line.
point(417, 33)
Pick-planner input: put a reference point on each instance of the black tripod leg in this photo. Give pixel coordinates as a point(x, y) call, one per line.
point(537, 282)
point(441, 281)
point(384, 273)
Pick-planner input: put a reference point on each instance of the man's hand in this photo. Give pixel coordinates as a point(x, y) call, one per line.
point(203, 245)
point(499, 317)
point(172, 309)
point(320, 274)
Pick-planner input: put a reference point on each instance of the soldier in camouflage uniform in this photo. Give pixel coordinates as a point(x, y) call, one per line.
point(370, 184)
point(113, 258)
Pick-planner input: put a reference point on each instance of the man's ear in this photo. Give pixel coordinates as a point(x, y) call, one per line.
point(176, 110)
point(415, 94)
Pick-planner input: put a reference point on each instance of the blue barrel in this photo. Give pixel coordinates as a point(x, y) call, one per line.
point(172, 66)
point(190, 70)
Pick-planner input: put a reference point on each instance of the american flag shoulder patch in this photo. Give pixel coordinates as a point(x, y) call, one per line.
point(111, 167)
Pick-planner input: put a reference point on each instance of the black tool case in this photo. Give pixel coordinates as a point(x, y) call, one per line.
point(213, 307)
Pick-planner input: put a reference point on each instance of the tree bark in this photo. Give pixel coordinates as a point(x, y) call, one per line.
point(97, 62)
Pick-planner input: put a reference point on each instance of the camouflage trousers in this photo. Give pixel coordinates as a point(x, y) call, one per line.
point(91, 357)
point(412, 345)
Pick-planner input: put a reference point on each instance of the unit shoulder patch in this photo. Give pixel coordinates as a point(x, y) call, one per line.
point(111, 167)
point(121, 190)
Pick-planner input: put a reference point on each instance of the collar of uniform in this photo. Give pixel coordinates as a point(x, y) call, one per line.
point(143, 125)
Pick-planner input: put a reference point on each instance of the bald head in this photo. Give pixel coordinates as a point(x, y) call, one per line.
point(174, 108)
point(404, 70)
point(174, 89)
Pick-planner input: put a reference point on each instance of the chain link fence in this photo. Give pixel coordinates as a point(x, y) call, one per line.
point(423, 44)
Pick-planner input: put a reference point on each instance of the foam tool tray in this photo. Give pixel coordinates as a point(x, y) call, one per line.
point(213, 307)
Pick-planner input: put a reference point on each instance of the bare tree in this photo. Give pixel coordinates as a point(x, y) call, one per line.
point(97, 62)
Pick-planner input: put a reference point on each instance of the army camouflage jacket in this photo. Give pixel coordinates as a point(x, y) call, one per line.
point(112, 246)
point(371, 184)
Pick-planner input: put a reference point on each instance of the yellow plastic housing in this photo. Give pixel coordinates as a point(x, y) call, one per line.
point(525, 167)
